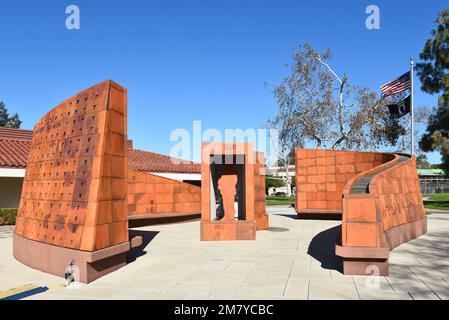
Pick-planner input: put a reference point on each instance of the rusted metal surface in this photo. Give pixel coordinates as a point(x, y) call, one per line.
point(74, 191)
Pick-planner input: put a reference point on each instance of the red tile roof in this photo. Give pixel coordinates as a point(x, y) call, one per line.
point(15, 134)
point(15, 145)
point(14, 153)
point(155, 162)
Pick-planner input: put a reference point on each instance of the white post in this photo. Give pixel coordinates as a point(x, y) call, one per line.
point(412, 118)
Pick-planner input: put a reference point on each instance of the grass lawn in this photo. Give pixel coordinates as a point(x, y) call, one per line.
point(437, 206)
point(273, 201)
point(439, 197)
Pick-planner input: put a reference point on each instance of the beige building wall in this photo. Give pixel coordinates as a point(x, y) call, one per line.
point(10, 190)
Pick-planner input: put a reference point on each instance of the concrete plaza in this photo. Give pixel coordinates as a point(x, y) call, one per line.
point(294, 259)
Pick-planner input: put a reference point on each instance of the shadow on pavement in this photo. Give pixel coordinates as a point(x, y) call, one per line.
point(158, 219)
point(312, 216)
point(322, 248)
point(278, 229)
point(147, 237)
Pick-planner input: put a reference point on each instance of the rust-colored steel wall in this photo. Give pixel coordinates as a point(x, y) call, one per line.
point(321, 176)
point(74, 191)
point(394, 199)
point(375, 219)
point(151, 194)
point(254, 193)
point(376, 222)
point(400, 199)
point(260, 213)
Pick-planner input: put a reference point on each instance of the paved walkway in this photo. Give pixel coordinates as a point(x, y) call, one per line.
point(293, 260)
point(6, 231)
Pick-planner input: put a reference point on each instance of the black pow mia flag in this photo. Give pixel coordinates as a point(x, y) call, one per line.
point(400, 108)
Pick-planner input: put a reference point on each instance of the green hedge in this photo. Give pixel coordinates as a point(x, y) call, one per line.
point(8, 216)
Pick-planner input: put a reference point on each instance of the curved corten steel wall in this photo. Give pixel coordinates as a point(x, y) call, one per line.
point(382, 208)
point(321, 176)
point(73, 205)
point(151, 195)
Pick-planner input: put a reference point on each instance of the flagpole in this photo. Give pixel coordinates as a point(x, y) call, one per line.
point(412, 118)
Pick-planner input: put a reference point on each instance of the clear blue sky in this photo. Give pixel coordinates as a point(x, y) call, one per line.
point(196, 60)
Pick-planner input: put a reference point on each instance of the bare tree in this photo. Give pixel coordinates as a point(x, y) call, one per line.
point(288, 140)
point(316, 104)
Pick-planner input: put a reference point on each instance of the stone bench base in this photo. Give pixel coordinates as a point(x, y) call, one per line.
point(374, 260)
point(55, 260)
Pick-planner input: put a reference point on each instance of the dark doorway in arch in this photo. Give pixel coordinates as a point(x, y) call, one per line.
point(228, 164)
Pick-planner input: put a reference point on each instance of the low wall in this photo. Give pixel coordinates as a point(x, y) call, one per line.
point(389, 214)
point(321, 176)
point(399, 195)
point(151, 194)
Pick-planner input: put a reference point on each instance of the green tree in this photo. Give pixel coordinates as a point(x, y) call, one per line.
point(6, 120)
point(433, 72)
point(271, 182)
point(422, 162)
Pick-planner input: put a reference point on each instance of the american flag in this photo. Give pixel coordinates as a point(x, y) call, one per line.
point(397, 85)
